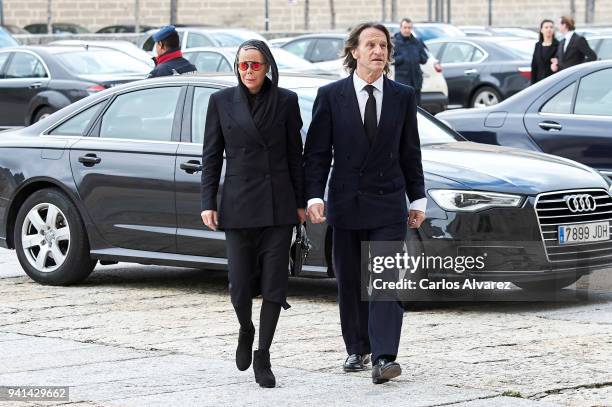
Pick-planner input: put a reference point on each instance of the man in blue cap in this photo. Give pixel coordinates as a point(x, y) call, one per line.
point(169, 60)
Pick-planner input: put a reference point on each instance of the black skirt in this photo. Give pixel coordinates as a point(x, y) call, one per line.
point(258, 262)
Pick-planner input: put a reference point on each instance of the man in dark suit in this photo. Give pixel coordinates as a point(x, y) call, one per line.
point(367, 123)
point(573, 49)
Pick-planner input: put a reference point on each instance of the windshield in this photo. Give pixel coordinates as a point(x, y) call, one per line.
point(431, 131)
point(523, 49)
point(287, 60)
point(6, 40)
point(102, 62)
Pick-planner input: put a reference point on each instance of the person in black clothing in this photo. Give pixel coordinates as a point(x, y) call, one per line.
point(258, 125)
point(545, 50)
point(170, 59)
point(573, 49)
point(409, 55)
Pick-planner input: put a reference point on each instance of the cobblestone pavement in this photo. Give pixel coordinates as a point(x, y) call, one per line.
point(135, 335)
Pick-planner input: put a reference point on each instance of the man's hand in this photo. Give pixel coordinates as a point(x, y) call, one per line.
point(301, 212)
point(554, 66)
point(209, 218)
point(315, 213)
point(415, 218)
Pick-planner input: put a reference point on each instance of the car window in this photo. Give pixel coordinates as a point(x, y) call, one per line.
point(592, 98)
point(3, 58)
point(208, 61)
point(298, 48)
point(456, 52)
point(560, 103)
point(435, 49)
point(227, 40)
point(146, 114)
point(605, 51)
point(149, 44)
point(77, 125)
point(327, 49)
point(25, 65)
point(198, 40)
point(201, 96)
point(97, 61)
point(477, 56)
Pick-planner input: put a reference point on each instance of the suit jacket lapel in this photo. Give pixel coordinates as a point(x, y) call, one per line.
point(351, 106)
point(240, 112)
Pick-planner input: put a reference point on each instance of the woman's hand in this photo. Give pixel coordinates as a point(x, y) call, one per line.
point(301, 212)
point(209, 217)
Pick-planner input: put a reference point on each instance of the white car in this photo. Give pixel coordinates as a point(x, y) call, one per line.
point(123, 46)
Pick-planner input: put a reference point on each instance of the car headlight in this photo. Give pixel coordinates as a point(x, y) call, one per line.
point(454, 200)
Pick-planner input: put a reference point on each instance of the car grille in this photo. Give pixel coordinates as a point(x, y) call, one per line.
point(553, 211)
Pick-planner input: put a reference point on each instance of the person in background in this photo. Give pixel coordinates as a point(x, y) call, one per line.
point(169, 60)
point(409, 55)
point(545, 50)
point(573, 49)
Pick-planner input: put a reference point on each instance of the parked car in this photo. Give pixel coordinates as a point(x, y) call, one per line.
point(278, 42)
point(428, 31)
point(482, 71)
point(35, 81)
point(13, 29)
point(6, 40)
point(488, 31)
point(602, 45)
point(568, 114)
point(116, 177)
point(192, 37)
point(124, 29)
point(324, 51)
point(209, 59)
point(58, 28)
point(127, 47)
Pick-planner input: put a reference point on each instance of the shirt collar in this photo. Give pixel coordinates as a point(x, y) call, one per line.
point(360, 83)
point(568, 35)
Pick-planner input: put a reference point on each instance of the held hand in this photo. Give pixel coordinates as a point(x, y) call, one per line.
point(209, 217)
point(415, 218)
point(301, 212)
point(315, 213)
point(554, 67)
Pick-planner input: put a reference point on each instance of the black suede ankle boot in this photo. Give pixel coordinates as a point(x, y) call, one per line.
point(261, 367)
point(245, 348)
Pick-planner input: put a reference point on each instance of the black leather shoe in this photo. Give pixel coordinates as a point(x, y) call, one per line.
point(244, 351)
point(261, 366)
point(384, 370)
point(356, 362)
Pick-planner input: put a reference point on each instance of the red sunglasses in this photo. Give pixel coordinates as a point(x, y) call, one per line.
point(256, 66)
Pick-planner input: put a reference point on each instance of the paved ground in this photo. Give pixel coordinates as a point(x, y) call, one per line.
point(159, 336)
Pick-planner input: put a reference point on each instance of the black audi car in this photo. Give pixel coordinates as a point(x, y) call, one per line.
point(568, 114)
point(116, 177)
point(483, 71)
point(36, 81)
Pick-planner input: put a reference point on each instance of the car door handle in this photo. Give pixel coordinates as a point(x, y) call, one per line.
point(550, 126)
point(470, 71)
point(89, 160)
point(35, 85)
point(191, 167)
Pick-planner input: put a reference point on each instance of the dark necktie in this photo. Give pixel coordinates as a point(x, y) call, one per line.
point(369, 118)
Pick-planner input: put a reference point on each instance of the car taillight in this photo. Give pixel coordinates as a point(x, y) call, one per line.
point(95, 88)
point(438, 67)
point(525, 72)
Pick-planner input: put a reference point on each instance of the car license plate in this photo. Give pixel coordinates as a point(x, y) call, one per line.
point(584, 232)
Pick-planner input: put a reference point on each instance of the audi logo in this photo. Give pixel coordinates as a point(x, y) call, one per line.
point(580, 203)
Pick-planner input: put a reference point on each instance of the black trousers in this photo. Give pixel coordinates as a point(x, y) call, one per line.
point(258, 263)
point(367, 327)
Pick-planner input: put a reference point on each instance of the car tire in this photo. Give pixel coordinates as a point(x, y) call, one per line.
point(547, 285)
point(51, 241)
point(42, 113)
point(485, 96)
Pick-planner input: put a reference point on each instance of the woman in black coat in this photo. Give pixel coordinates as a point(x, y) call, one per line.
point(258, 125)
point(545, 50)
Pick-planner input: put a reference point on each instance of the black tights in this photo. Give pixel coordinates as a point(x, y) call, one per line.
point(268, 318)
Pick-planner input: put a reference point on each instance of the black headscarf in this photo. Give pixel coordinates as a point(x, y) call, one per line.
point(263, 104)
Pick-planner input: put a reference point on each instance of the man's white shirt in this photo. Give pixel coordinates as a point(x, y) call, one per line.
point(568, 37)
point(362, 99)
